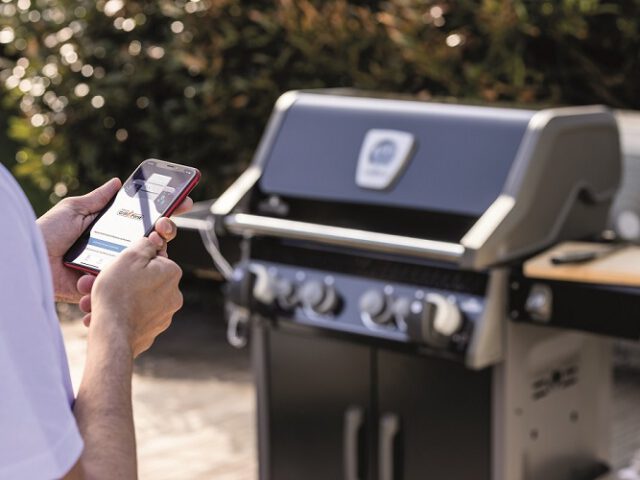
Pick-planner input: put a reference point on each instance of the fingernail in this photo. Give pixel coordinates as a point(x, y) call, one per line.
point(168, 227)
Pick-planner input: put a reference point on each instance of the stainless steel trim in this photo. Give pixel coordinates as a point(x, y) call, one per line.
point(246, 224)
point(353, 422)
point(230, 198)
point(191, 223)
point(389, 429)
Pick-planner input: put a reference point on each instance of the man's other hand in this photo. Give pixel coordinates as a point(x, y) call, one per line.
point(63, 224)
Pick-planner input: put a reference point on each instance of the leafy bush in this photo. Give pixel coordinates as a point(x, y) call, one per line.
point(102, 85)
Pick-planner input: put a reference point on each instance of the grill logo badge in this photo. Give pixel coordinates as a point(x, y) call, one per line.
point(125, 212)
point(383, 156)
point(383, 152)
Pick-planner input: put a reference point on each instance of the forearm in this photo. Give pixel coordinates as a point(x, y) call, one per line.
point(103, 409)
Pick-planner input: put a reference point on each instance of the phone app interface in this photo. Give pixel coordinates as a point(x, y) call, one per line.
point(143, 199)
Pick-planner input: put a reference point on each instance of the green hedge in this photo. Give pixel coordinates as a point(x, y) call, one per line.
point(103, 85)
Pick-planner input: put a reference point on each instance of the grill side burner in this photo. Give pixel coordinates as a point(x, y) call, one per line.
point(379, 239)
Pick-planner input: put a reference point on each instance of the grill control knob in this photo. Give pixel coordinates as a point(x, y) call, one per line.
point(285, 293)
point(433, 321)
point(447, 319)
point(374, 306)
point(319, 297)
point(401, 310)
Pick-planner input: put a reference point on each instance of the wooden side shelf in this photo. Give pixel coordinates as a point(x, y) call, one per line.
point(620, 267)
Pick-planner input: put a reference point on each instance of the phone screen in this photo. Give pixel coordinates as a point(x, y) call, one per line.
point(146, 196)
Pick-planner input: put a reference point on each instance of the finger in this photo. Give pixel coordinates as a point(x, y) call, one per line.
point(184, 207)
point(86, 320)
point(143, 347)
point(85, 304)
point(146, 247)
point(85, 284)
point(166, 228)
point(157, 241)
point(178, 301)
point(97, 199)
point(167, 268)
point(162, 326)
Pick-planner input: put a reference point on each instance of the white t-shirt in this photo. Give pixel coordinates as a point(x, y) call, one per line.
point(39, 437)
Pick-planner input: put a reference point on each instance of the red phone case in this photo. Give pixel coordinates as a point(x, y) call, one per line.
point(190, 186)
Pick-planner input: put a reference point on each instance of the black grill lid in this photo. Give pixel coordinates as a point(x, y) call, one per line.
point(461, 159)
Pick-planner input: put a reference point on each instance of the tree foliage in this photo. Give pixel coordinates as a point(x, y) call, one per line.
point(90, 89)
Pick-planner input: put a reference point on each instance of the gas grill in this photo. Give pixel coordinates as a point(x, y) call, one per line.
point(381, 239)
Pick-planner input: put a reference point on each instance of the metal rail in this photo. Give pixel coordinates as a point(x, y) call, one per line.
point(246, 224)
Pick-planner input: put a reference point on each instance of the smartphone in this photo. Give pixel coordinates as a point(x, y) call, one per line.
point(154, 190)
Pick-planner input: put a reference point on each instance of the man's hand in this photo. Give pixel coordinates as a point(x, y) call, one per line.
point(135, 297)
point(63, 224)
point(167, 231)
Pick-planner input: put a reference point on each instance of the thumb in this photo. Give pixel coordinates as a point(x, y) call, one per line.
point(97, 199)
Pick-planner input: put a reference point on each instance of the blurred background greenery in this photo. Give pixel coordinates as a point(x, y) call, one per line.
point(89, 89)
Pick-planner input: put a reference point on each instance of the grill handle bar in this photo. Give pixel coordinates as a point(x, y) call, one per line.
point(246, 224)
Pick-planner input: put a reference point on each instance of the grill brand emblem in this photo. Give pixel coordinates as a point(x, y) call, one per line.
point(125, 212)
point(383, 152)
point(383, 156)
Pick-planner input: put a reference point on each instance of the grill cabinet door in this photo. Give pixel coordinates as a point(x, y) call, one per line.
point(434, 419)
point(318, 408)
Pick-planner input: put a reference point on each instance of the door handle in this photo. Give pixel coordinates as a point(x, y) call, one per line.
point(389, 429)
point(353, 422)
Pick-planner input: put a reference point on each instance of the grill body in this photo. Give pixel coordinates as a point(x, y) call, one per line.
point(379, 239)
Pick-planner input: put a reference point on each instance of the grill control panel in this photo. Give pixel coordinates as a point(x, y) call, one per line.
point(406, 313)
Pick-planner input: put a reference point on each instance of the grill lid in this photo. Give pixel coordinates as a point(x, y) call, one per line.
point(322, 138)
